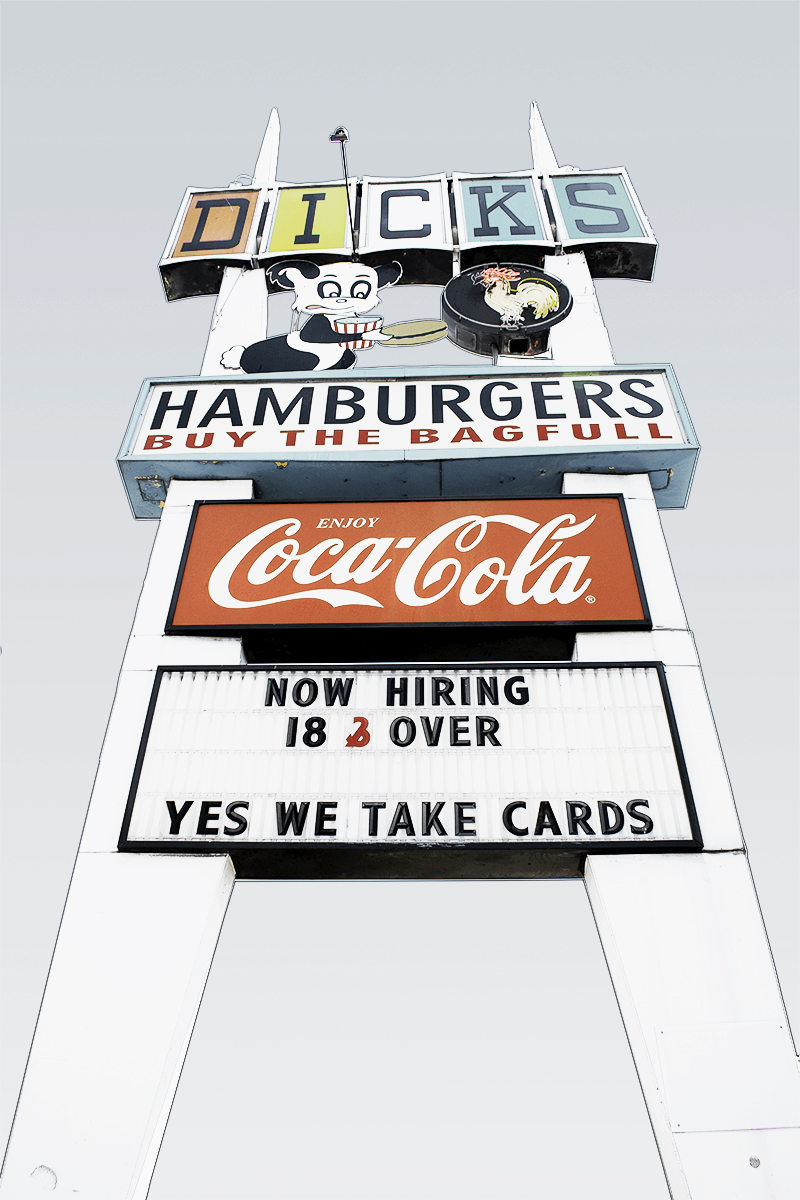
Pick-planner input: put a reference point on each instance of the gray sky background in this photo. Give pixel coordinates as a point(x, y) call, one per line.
point(382, 1041)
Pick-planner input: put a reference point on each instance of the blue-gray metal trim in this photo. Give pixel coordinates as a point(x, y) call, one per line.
point(418, 474)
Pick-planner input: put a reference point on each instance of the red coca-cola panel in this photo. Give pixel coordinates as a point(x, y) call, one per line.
point(567, 560)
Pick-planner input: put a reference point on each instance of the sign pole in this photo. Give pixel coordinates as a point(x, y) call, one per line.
point(241, 308)
point(300, 497)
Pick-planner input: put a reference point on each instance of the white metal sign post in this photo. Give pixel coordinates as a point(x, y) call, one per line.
point(599, 760)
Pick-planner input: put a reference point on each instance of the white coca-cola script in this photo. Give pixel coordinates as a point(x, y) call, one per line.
point(559, 578)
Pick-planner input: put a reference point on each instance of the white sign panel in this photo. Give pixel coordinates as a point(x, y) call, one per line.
point(434, 417)
point(405, 213)
point(554, 756)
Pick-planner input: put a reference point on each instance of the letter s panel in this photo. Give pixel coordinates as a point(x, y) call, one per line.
point(599, 212)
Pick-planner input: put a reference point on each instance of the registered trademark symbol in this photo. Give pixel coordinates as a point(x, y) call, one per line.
point(590, 599)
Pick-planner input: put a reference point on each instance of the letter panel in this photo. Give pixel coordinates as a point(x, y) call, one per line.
point(599, 212)
point(405, 213)
point(307, 220)
point(494, 210)
point(213, 230)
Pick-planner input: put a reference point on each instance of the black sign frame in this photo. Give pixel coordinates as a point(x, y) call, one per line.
point(356, 860)
point(238, 630)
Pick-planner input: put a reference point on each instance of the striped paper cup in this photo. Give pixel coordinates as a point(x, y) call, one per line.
point(356, 330)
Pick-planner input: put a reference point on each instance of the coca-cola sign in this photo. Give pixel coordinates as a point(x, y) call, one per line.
point(547, 561)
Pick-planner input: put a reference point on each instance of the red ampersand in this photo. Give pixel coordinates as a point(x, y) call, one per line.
point(361, 736)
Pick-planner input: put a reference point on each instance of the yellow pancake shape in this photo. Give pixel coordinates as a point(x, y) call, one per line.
point(414, 333)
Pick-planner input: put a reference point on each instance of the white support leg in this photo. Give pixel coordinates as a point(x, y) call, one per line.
point(694, 979)
point(683, 936)
point(133, 955)
point(135, 945)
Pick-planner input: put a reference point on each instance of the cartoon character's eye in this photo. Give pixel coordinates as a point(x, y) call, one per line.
point(329, 289)
point(360, 289)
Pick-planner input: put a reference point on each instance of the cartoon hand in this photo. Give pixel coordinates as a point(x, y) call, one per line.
point(231, 359)
point(375, 336)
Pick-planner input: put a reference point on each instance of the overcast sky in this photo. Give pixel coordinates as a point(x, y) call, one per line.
point(382, 1041)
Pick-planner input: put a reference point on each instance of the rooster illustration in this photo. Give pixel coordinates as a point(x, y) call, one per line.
point(527, 293)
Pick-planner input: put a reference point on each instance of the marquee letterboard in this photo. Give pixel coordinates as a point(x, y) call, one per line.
point(558, 757)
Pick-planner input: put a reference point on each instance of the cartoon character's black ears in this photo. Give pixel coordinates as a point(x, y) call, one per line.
point(277, 272)
point(388, 274)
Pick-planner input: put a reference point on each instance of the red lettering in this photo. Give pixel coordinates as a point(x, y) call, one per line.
point(191, 441)
point(466, 432)
point(239, 439)
point(507, 433)
point(368, 437)
point(158, 441)
point(655, 434)
point(625, 437)
point(594, 432)
point(291, 435)
point(361, 736)
point(421, 436)
point(336, 437)
point(544, 430)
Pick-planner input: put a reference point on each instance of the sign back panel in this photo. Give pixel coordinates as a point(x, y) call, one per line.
point(542, 561)
point(554, 757)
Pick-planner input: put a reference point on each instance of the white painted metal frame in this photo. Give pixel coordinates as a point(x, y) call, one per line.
point(682, 935)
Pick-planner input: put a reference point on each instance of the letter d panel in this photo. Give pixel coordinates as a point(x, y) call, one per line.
point(408, 220)
point(213, 230)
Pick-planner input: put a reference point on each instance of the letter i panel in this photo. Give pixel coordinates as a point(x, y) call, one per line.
point(567, 561)
point(308, 221)
point(304, 760)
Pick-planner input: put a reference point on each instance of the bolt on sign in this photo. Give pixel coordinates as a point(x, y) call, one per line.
point(260, 565)
point(553, 757)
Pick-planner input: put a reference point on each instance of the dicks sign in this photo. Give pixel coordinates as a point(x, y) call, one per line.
point(566, 561)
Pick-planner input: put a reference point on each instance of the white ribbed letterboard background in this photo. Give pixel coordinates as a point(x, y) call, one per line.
point(595, 737)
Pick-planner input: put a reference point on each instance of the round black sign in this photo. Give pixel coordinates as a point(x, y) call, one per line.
point(504, 308)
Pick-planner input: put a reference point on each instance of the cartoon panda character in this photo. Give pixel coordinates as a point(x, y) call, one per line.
point(329, 294)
